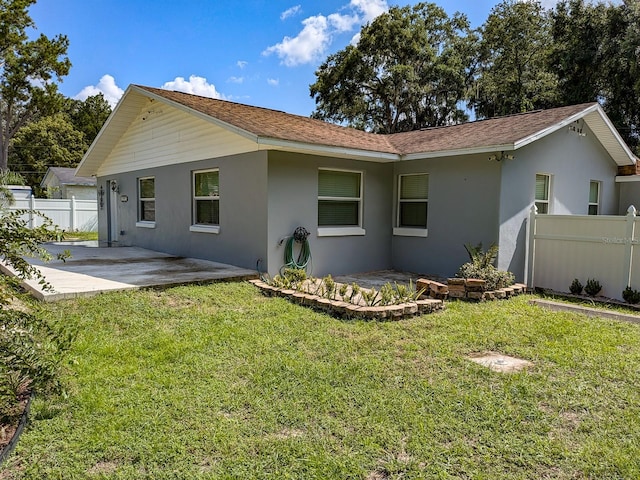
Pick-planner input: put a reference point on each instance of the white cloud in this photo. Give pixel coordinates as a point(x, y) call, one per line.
point(274, 82)
point(370, 9)
point(235, 79)
point(107, 86)
point(307, 46)
point(196, 85)
point(242, 63)
point(317, 33)
point(290, 12)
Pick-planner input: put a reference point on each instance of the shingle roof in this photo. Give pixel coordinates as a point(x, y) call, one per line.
point(66, 176)
point(278, 125)
point(275, 124)
point(498, 131)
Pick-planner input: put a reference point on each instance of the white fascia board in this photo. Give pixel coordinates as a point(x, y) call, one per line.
point(627, 178)
point(96, 140)
point(326, 150)
point(616, 135)
point(554, 128)
point(459, 152)
point(202, 116)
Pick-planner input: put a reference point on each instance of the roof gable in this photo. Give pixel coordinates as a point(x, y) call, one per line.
point(271, 129)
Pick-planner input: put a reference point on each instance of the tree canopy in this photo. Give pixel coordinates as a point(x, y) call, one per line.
point(409, 69)
point(415, 67)
point(27, 68)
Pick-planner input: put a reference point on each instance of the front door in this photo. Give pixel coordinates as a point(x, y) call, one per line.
point(112, 210)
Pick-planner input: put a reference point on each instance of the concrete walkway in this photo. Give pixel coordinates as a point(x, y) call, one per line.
point(92, 269)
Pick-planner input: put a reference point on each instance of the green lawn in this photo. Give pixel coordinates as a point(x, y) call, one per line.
point(221, 382)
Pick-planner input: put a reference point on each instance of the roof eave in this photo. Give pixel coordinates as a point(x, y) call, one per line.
point(265, 143)
point(458, 152)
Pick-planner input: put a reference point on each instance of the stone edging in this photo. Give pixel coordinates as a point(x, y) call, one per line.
point(588, 311)
point(342, 309)
point(467, 289)
point(8, 449)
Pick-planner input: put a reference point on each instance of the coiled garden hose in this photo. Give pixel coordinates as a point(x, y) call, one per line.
point(304, 256)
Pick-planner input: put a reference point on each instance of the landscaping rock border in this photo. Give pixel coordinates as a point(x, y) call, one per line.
point(342, 309)
point(467, 289)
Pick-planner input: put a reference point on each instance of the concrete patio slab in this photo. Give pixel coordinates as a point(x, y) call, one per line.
point(93, 269)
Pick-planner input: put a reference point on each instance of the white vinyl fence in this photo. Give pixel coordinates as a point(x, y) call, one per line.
point(602, 247)
point(68, 214)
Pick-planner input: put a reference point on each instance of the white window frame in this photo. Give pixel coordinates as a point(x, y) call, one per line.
point(340, 231)
point(199, 227)
point(145, 223)
point(597, 202)
point(410, 231)
point(549, 190)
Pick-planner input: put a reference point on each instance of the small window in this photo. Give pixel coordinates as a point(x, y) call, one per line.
point(594, 197)
point(339, 198)
point(146, 199)
point(206, 198)
point(543, 185)
point(413, 197)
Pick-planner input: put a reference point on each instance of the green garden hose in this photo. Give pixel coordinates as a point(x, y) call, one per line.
point(304, 256)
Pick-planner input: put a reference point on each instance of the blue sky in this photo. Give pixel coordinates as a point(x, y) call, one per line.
point(259, 52)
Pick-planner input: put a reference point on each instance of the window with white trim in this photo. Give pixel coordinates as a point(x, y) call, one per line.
point(413, 200)
point(146, 199)
point(339, 198)
point(594, 197)
point(543, 192)
point(206, 198)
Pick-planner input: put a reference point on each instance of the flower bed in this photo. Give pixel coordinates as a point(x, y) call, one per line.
point(345, 301)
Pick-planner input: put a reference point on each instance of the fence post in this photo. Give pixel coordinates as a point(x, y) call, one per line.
point(628, 254)
point(73, 214)
point(530, 247)
point(32, 207)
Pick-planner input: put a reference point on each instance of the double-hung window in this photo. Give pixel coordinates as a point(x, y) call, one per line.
point(543, 192)
point(413, 202)
point(594, 197)
point(146, 202)
point(206, 201)
point(339, 203)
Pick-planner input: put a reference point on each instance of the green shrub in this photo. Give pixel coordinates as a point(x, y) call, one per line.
point(593, 287)
point(576, 287)
point(482, 267)
point(631, 295)
point(31, 351)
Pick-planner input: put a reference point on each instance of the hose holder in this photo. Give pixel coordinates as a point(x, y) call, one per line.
point(300, 234)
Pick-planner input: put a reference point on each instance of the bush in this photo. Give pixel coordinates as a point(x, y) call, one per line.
point(30, 354)
point(631, 295)
point(576, 287)
point(593, 287)
point(481, 267)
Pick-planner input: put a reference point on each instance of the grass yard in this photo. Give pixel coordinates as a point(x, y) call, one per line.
point(221, 382)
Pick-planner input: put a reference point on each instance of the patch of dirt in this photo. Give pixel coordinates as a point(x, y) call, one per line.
point(102, 468)
point(498, 362)
point(7, 431)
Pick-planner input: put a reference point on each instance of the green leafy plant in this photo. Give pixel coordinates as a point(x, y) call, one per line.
point(329, 287)
point(593, 287)
point(482, 267)
point(576, 287)
point(355, 290)
point(631, 295)
point(343, 290)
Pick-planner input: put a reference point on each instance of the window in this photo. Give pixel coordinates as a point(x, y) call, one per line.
point(594, 197)
point(146, 202)
point(543, 183)
point(206, 201)
point(413, 200)
point(339, 202)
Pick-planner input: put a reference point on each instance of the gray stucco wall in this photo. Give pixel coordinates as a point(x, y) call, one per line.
point(293, 202)
point(462, 209)
point(243, 211)
point(573, 162)
point(629, 195)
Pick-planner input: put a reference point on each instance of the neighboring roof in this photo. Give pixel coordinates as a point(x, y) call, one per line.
point(66, 176)
point(272, 129)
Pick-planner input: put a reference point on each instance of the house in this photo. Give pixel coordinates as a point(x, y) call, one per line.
point(213, 179)
point(61, 182)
